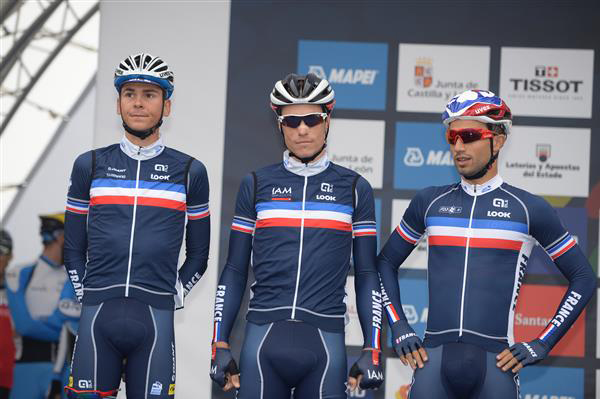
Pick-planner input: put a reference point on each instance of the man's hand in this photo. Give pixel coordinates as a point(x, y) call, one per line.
point(408, 345)
point(367, 372)
point(522, 354)
point(223, 369)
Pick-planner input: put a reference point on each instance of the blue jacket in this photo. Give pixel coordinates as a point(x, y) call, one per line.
point(51, 305)
point(480, 238)
point(301, 224)
point(125, 219)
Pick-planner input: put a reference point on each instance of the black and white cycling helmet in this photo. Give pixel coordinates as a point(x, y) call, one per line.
point(302, 89)
point(145, 68)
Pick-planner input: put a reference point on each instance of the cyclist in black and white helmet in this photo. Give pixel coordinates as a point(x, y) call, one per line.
point(300, 220)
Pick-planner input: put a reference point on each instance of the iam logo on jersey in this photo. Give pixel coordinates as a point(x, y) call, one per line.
point(356, 71)
point(423, 156)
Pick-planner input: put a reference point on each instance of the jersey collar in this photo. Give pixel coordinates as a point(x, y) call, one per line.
point(142, 153)
point(478, 189)
point(299, 168)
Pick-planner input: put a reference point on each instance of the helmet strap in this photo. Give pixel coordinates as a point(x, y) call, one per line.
point(488, 165)
point(307, 160)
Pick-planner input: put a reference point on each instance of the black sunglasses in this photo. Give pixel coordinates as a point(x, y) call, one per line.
point(309, 120)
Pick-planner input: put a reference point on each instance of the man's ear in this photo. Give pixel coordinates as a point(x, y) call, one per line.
point(167, 108)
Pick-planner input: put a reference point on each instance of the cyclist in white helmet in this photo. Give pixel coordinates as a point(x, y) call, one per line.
point(126, 214)
point(480, 233)
point(300, 219)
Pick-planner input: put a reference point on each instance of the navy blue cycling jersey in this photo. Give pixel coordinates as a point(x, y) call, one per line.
point(480, 238)
point(126, 212)
point(301, 223)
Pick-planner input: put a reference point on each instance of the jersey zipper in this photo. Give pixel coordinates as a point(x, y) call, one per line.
point(135, 197)
point(300, 250)
point(464, 284)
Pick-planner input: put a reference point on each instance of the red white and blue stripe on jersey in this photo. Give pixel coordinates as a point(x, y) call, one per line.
point(367, 228)
point(78, 206)
point(242, 224)
point(392, 314)
point(314, 215)
point(481, 233)
point(548, 332)
point(217, 331)
point(408, 233)
point(560, 246)
point(376, 336)
point(124, 192)
point(198, 212)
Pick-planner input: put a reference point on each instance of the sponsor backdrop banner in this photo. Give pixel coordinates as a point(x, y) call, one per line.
point(393, 67)
point(548, 160)
point(429, 76)
point(548, 82)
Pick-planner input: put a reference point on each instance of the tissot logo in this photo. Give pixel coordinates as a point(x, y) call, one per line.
point(546, 71)
point(547, 82)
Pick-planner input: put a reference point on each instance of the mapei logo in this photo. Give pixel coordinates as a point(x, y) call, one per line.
point(542, 151)
point(351, 76)
point(423, 72)
point(414, 157)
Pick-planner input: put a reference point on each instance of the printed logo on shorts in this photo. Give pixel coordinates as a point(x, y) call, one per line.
point(171, 389)
point(156, 388)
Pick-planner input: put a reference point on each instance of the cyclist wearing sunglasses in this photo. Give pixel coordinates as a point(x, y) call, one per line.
point(480, 234)
point(300, 220)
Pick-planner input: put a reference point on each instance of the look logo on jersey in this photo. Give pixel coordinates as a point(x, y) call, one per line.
point(357, 71)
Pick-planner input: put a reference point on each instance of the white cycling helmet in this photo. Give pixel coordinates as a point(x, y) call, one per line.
point(300, 89)
point(145, 68)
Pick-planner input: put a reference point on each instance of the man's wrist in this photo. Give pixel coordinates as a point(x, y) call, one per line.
point(220, 345)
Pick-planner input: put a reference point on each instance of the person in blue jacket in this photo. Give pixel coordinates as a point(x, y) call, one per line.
point(300, 220)
point(480, 233)
point(129, 207)
point(42, 303)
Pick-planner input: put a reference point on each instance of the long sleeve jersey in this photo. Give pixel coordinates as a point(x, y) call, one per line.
point(480, 238)
point(301, 223)
point(124, 225)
